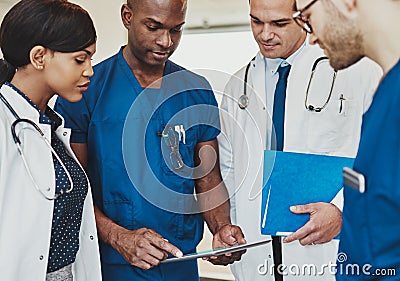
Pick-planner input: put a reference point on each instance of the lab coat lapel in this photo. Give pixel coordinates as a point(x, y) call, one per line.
point(262, 115)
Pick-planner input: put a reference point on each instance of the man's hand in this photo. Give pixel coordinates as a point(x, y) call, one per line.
point(144, 247)
point(324, 224)
point(228, 235)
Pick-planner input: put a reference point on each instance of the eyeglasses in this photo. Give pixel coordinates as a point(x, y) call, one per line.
point(171, 140)
point(301, 20)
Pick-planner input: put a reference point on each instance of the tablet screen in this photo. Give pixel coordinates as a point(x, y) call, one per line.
point(217, 252)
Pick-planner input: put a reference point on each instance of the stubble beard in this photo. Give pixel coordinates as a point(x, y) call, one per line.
point(343, 40)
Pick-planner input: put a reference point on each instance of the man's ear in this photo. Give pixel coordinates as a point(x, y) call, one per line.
point(36, 56)
point(347, 7)
point(350, 5)
point(126, 16)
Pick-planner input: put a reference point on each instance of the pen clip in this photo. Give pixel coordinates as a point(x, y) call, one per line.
point(342, 98)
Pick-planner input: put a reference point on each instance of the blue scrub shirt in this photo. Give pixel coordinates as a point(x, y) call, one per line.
point(129, 162)
point(371, 221)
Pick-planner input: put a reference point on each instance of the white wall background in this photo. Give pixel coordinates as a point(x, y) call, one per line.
point(222, 52)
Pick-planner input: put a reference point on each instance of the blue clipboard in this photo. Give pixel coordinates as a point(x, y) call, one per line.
point(294, 179)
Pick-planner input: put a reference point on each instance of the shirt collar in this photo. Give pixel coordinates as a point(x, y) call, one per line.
point(272, 65)
point(48, 117)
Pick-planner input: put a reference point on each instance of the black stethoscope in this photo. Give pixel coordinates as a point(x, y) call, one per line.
point(311, 107)
point(243, 100)
point(17, 141)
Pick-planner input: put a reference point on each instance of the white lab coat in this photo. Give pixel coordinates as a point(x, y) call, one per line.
point(328, 132)
point(25, 215)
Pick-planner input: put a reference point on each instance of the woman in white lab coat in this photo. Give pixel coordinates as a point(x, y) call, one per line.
point(246, 133)
point(47, 226)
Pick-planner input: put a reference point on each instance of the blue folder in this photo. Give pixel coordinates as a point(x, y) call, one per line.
point(294, 179)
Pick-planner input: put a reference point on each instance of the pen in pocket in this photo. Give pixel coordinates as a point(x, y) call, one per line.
point(342, 98)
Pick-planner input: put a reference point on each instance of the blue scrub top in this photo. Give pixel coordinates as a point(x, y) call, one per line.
point(371, 221)
point(129, 162)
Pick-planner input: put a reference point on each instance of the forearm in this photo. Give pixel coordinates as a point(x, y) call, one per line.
point(106, 228)
point(211, 192)
point(143, 247)
point(214, 204)
point(217, 217)
point(213, 199)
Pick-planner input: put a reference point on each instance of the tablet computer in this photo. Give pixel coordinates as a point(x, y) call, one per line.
point(217, 252)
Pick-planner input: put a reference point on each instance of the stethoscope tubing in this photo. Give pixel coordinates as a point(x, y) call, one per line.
point(17, 141)
point(243, 101)
point(311, 107)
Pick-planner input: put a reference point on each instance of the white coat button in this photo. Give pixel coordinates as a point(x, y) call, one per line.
point(41, 258)
point(65, 134)
point(91, 237)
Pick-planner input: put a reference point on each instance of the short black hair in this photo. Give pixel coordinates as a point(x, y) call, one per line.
point(294, 6)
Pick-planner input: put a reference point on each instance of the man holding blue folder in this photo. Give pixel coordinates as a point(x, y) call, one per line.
point(370, 237)
point(293, 101)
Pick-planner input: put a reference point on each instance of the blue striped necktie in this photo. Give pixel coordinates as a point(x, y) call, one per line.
point(278, 114)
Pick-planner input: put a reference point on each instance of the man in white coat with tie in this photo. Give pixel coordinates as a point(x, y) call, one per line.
point(318, 114)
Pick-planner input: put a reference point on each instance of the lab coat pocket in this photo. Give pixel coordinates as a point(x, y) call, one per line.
point(333, 129)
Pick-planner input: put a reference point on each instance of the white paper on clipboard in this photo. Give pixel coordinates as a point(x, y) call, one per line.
point(217, 252)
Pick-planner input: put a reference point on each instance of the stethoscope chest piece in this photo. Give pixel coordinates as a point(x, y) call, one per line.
point(243, 101)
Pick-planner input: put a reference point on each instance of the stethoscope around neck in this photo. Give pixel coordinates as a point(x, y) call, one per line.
point(18, 143)
point(243, 100)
